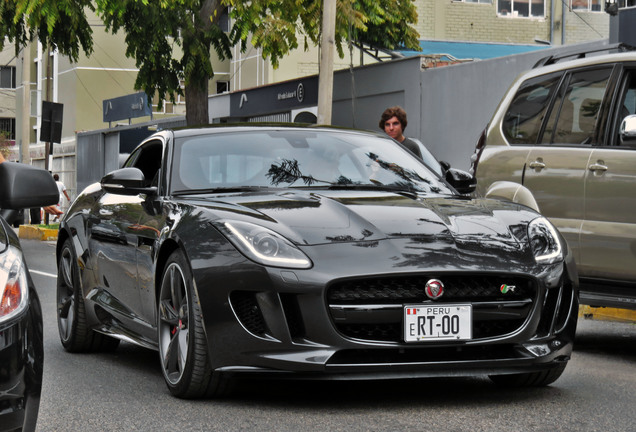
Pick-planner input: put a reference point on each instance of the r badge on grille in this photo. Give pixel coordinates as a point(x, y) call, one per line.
point(434, 289)
point(505, 289)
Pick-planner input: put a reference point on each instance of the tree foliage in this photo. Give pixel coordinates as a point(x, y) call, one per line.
point(275, 25)
point(156, 30)
point(58, 24)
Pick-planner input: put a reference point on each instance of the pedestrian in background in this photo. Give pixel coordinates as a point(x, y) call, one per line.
point(62, 190)
point(393, 122)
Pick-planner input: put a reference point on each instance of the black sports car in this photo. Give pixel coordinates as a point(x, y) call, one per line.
point(21, 337)
point(310, 252)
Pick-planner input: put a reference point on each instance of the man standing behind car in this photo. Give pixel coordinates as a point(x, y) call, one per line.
point(393, 122)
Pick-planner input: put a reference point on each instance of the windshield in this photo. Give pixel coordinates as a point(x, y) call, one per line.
point(297, 158)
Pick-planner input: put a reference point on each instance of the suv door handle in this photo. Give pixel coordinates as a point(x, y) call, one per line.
point(537, 165)
point(597, 167)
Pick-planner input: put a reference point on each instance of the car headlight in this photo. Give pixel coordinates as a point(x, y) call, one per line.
point(544, 241)
point(264, 245)
point(14, 290)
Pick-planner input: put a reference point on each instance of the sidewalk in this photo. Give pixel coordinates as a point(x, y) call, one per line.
point(607, 314)
point(34, 232)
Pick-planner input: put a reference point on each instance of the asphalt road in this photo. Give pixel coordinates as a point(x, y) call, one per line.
point(124, 391)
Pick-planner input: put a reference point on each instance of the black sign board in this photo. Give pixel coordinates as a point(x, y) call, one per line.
point(275, 98)
point(51, 128)
point(126, 107)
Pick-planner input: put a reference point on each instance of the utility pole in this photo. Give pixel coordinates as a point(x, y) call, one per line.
point(48, 146)
point(327, 49)
point(25, 156)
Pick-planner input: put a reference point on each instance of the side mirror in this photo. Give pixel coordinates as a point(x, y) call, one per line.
point(462, 181)
point(127, 181)
point(511, 191)
point(24, 186)
point(627, 131)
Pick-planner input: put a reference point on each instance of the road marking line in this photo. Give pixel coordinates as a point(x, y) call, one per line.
point(43, 273)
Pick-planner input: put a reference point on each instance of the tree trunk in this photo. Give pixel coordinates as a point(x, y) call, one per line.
point(197, 103)
point(196, 91)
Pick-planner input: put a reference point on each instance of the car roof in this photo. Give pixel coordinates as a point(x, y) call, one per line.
point(581, 62)
point(245, 127)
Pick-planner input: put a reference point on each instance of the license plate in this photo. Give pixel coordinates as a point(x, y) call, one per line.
point(447, 322)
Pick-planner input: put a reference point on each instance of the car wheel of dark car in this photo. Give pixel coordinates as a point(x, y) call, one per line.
point(531, 379)
point(182, 341)
point(71, 315)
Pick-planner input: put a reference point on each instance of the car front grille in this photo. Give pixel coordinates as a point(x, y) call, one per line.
point(372, 308)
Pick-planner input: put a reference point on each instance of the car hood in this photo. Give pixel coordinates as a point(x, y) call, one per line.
point(311, 218)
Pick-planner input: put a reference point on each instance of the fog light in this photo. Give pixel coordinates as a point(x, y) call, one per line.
point(538, 350)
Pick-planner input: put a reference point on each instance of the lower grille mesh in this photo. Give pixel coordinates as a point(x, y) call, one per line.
point(398, 291)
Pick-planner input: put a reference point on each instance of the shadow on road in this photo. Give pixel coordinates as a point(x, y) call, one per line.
point(607, 338)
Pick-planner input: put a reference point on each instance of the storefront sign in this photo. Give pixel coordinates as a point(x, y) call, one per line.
point(275, 98)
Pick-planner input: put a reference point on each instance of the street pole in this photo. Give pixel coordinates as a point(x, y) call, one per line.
point(25, 140)
point(327, 49)
point(48, 146)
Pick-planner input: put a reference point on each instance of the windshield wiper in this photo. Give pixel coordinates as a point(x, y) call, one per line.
point(226, 189)
point(368, 186)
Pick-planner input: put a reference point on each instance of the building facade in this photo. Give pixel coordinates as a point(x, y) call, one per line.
point(558, 22)
point(82, 87)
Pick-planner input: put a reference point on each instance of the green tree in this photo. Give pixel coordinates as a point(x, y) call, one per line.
point(154, 30)
point(58, 24)
point(275, 25)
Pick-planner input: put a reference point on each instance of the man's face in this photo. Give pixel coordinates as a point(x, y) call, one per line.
point(393, 128)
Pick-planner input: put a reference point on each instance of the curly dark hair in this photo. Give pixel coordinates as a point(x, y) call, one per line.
point(396, 111)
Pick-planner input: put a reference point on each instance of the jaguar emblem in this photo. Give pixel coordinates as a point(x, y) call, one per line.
point(434, 289)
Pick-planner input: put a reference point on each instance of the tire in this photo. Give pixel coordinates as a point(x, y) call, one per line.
point(530, 379)
point(71, 314)
point(182, 341)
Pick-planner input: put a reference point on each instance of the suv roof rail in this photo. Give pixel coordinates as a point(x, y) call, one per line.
point(578, 53)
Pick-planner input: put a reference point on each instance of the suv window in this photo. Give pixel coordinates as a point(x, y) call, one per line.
point(522, 122)
point(577, 108)
point(627, 104)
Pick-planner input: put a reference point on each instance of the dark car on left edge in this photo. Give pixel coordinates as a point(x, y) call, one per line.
point(21, 337)
point(309, 252)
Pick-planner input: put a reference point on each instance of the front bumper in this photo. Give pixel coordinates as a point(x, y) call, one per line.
point(283, 323)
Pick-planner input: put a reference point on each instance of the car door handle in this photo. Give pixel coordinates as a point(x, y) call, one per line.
point(597, 167)
point(537, 165)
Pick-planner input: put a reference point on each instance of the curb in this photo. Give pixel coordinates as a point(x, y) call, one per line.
point(607, 314)
point(34, 232)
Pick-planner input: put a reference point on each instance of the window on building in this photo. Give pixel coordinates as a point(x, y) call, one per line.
point(222, 87)
point(586, 5)
point(521, 8)
point(7, 77)
point(7, 126)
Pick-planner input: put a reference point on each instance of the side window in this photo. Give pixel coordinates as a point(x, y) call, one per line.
point(522, 122)
point(148, 159)
point(575, 114)
point(627, 103)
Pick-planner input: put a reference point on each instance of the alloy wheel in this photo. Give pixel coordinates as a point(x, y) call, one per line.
point(66, 295)
point(173, 323)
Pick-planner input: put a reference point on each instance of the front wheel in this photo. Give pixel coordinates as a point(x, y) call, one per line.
point(530, 379)
point(71, 313)
point(182, 342)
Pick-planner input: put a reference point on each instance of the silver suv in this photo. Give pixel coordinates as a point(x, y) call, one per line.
point(566, 132)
